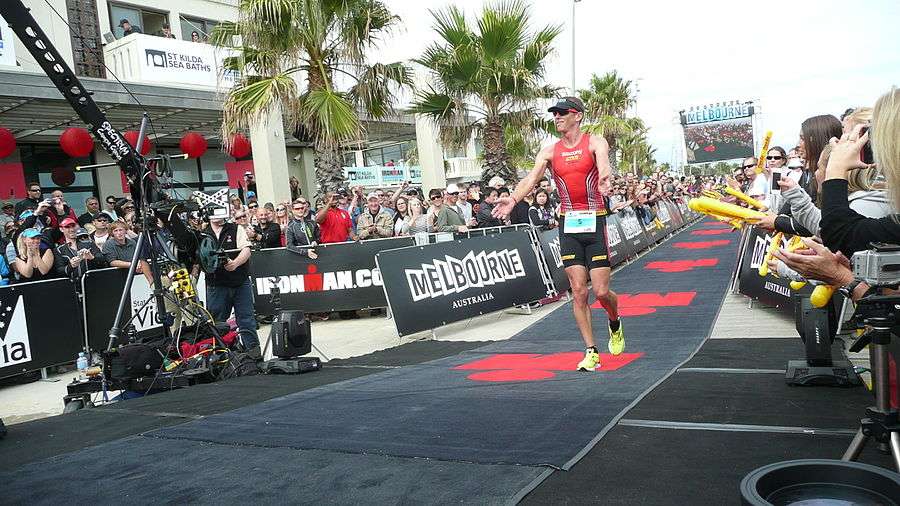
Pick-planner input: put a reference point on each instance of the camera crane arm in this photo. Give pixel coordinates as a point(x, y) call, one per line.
point(38, 44)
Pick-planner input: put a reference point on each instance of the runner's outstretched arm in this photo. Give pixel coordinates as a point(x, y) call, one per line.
point(505, 205)
point(600, 150)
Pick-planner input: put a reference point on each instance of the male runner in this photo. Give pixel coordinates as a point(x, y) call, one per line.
point(579, 163)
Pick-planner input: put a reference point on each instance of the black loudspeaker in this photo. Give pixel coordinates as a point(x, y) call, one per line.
point(291, 336)
point(816, 327)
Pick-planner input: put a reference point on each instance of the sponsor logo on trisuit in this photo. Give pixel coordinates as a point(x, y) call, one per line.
point(454, 275)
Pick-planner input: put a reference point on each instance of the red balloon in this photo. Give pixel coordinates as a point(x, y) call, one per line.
point(240, 146)
point(62, 176)
point(76, 142)
point(132, 135)
point(193, 145)
point(7, 143)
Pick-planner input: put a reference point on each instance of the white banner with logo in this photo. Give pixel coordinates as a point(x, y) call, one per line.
point(173, 61)
point(7, 45)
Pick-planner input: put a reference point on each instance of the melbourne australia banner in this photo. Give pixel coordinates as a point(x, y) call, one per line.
point(433, 285)
point(770, 290)
point(342, 278)
point(718, 132)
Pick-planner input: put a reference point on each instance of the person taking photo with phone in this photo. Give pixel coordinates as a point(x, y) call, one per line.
point(78, 254)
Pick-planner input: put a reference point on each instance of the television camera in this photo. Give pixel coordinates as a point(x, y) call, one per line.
point(877, 315)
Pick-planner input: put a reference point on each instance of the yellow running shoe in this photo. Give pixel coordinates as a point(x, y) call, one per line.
point(616, 343)
point(590, 362)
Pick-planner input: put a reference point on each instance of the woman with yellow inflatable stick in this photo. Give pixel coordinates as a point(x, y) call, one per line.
point(843, 229)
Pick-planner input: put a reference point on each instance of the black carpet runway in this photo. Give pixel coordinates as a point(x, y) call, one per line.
point(433, 422)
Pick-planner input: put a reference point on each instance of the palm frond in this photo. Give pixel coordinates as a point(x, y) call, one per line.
point(450, 24)
point(374, 92)
point(252, 100)
point(329, 117)
point(501, 30)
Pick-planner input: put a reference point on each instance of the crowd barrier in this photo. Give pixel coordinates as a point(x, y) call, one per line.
point(430, 285)
point(770, 290)
point(40, 326)
point(46, 323)
point(342, 278)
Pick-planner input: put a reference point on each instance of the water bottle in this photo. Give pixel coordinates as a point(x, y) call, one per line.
point(82, 364)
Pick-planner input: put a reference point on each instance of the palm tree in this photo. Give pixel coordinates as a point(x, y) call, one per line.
point(606, 100)
point(637, 154)
point(485, 77)
point(282, 42)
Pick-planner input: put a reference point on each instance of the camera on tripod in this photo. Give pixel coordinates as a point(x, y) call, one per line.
point(879, 266)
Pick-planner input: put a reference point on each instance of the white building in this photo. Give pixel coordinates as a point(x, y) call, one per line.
point(177, 83)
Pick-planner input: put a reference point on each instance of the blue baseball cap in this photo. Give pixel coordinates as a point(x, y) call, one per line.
point(251, 194)
point(25, 214)
point(31, 232)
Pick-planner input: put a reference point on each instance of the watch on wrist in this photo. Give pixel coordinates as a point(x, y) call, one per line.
point(847, 290)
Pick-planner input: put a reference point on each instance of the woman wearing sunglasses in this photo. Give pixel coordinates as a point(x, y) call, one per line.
point(282, 219)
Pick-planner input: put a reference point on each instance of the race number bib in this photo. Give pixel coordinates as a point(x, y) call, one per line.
point(581, 222)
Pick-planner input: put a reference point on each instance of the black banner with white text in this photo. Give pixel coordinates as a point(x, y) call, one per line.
point(770, 290)
point(39, 326)
point(432, 285)
point(343, 277)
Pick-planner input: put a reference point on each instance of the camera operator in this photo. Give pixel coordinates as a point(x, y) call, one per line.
point(229, 286)
point(78, 254)
point(843, 229)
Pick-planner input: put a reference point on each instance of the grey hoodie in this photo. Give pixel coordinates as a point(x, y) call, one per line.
point(871, 204)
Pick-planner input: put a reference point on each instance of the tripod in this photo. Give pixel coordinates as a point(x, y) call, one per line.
point(881, 422)
point(148, 228)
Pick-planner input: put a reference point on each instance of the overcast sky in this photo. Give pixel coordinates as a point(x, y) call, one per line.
point(795, 58)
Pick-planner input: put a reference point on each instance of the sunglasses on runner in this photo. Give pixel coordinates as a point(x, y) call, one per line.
point(749, 166)
point(562, 113)
point(774, 158)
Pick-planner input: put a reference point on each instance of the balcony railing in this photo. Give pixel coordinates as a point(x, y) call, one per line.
point(466, 168)
point(156, 60)
point(381, 175)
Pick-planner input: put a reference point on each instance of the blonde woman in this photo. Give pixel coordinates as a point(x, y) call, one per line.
point(415, 221)
point(35, 259)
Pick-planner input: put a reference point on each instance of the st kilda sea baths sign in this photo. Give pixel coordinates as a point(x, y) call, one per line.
point(433, 285)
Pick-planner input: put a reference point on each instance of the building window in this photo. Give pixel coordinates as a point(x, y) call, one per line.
point(38, 164)
point(203, 27)
point(384, 155)
point(87, 52)
point(148, 21)
point(206, 174)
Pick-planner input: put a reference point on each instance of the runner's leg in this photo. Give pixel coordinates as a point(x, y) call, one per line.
point(578, 277)
point(606, 297)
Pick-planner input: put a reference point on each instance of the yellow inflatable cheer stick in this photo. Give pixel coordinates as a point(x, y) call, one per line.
point(821, 295)
point(713, 194)
point(761, 161)
point(746, 198)
point(710, 206)
point(794, 244)
point(776, 243)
